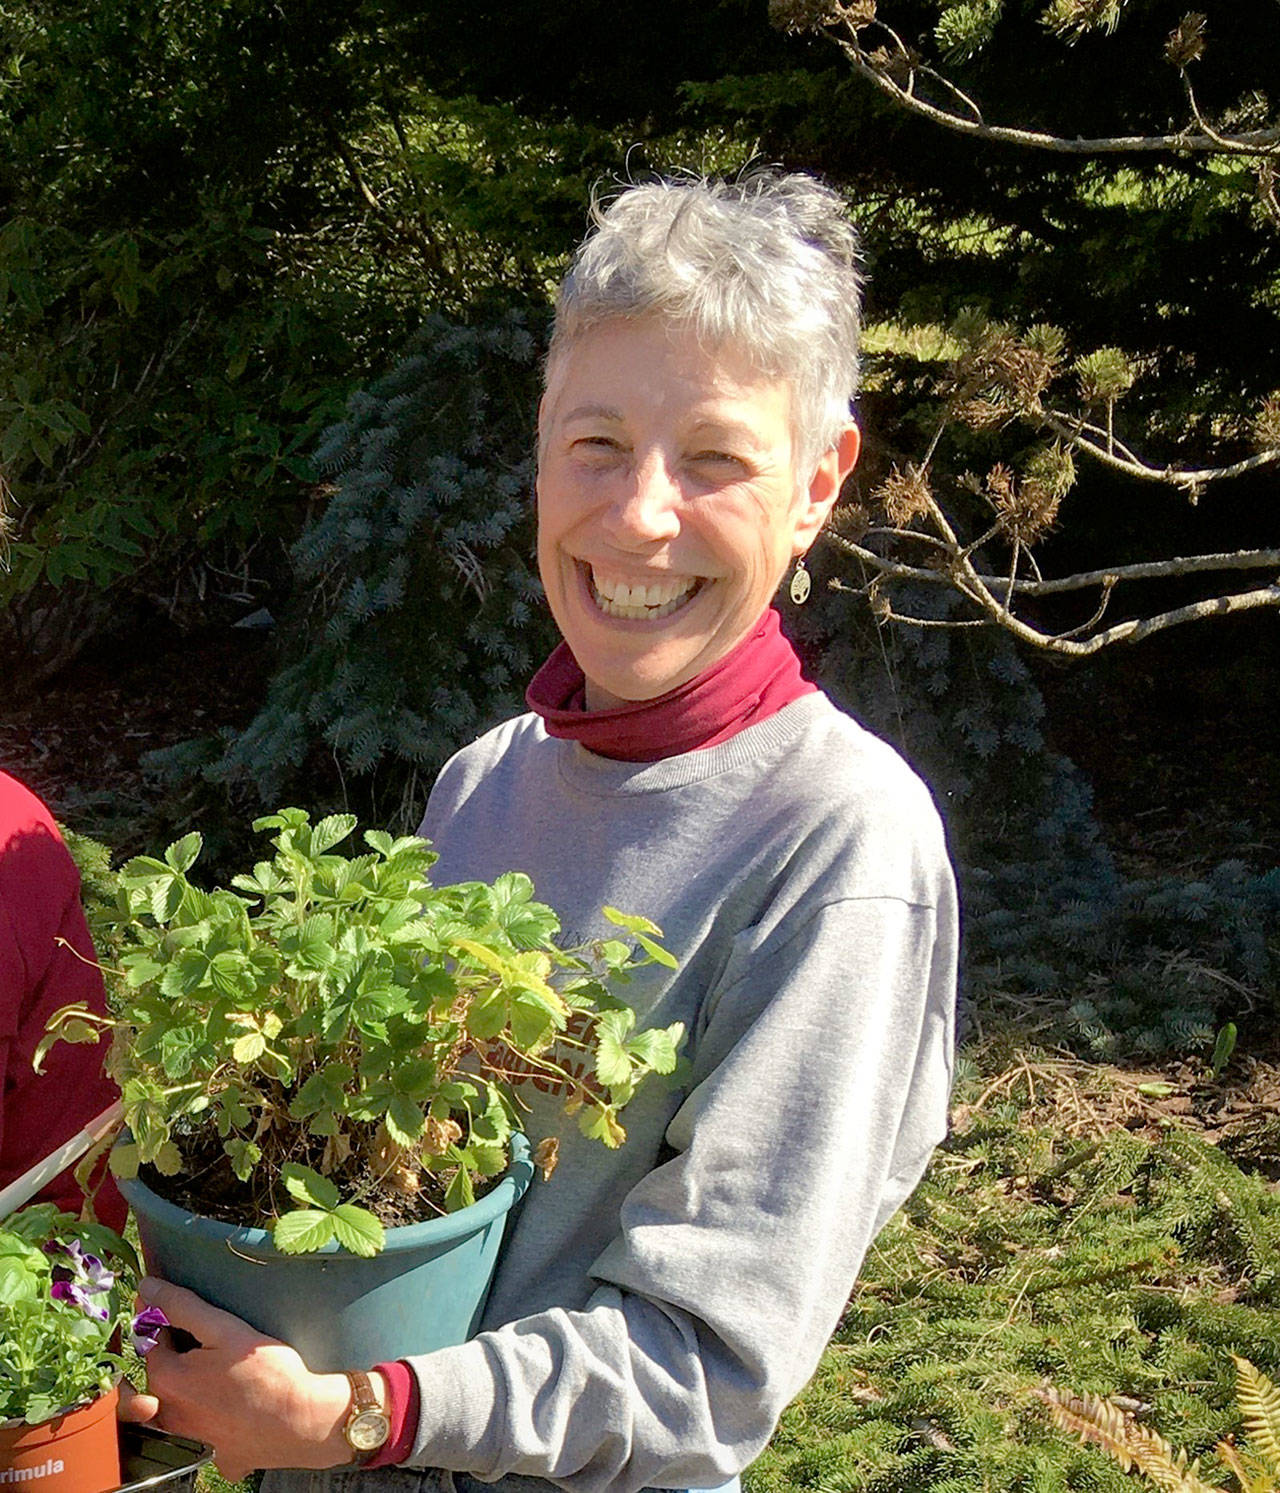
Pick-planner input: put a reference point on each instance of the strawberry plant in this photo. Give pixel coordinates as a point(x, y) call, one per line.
point(332, 1041)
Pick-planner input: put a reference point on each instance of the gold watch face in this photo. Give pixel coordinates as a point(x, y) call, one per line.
point(368, 1430)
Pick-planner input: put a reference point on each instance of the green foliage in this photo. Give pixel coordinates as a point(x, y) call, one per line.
point(965, 27)
point(1026, 1256)
point(425, 619)
point(99, 890)
point(57, 1353)
point(191, 285)
point(344, 1010)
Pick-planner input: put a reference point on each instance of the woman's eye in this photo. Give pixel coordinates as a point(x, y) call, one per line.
point(724, 460)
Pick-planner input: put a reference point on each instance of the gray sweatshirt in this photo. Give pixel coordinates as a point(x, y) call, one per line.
point(656, 1307)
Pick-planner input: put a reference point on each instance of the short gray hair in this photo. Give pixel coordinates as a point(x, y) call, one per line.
point(767, 264)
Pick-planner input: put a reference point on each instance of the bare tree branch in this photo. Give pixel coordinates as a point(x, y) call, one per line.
point(1147, 570)
point(1185, 477)
point(1249, 142)
point(1000, 379)
point(1143, 627)
point(353, 171)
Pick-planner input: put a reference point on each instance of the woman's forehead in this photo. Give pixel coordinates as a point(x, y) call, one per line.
point(610, 368)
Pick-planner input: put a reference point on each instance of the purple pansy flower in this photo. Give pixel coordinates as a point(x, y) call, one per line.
point(80, 1281)
point(145, 1331)
point(68, 1290)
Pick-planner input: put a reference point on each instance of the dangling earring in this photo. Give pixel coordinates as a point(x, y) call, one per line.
point(801, 583)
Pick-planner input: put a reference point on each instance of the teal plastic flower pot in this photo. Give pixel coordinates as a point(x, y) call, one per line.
point(426, 1290)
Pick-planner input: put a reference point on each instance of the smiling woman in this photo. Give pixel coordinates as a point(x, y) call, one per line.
point(670, 502)
point(657, 1307)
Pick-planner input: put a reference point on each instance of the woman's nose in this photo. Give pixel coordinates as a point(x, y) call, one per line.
point(647, 506)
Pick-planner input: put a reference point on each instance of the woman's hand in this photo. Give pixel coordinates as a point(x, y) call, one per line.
point(248, 1396)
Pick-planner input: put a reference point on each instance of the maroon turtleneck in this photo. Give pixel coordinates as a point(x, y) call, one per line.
point(751, 682)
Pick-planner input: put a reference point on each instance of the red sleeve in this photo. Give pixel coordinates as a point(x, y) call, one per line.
point(46, 961)
point(404, 1404)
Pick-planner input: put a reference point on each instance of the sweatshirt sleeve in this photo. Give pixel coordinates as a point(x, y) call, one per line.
point(820, 1086)
point(46, 960)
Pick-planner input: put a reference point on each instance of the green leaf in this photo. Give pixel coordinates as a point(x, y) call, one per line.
point(230, 973)
point(167, 1160)
point(656, 952)
point(1223, 1048)
point(308, 1186)
point(658, 1047)
point(530, 1025)
point(460, 1192)
point(598, 1122)
point(166, 897)
point(181, 855)
point(249, 1048)
point(614, 953)
point(323, 1089)
point(613, 1066)
point(358, 1230)
point(178, 1049)
point(493, 1125)
point(244, 1155)
point(631, 922)
point(489, 1161)
point(124, 1160)
point(487, 1017)
point(303, 1231)
point(331, 831)
point(185, 973)
point(485, 957)
point(17, 1282)
point(404, 1120)
point(140, 969)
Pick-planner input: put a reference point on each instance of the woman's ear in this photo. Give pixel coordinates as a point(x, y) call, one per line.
point(834, 466)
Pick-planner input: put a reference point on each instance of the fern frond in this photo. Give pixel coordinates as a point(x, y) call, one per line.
point(1133, 1446)
point(1251, 1475)
point(1260, 1406)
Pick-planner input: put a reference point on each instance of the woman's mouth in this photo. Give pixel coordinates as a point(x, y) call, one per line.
point(632, 601)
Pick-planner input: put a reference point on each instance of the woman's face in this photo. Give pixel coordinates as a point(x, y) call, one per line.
point(669, 505)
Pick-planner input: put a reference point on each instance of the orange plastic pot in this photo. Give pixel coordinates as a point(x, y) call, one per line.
point(75, 1452)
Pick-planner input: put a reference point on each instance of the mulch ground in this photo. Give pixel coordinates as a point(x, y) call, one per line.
point(79, 742)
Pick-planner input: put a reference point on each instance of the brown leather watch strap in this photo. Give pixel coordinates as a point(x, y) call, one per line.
point(368, 1425)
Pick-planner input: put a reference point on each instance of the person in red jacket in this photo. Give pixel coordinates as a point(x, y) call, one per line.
point(46, 960)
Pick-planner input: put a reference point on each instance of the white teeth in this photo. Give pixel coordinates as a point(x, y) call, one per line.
point(619, 599)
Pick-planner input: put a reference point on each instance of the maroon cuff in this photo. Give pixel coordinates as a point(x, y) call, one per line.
point(403, 1402)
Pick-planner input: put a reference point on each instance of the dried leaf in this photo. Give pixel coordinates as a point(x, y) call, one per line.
point(545, 1156)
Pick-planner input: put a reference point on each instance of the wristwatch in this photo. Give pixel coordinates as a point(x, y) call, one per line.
point(368, 1426)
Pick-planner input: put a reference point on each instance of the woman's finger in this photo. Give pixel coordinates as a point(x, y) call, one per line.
point(209, 1325)
point(136, 1407)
